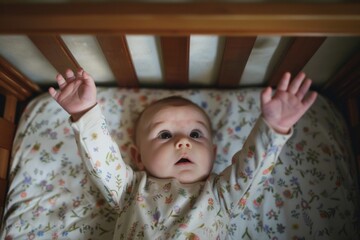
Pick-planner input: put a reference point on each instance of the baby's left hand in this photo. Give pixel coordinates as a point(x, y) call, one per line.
point(289, 103)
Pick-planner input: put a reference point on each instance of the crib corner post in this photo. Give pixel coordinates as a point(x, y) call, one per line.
point(353, 112)
point(8, 130)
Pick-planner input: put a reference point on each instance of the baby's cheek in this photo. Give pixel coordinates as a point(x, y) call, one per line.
point(158, 168)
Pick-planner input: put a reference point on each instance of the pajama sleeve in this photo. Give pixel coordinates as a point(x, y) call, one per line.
point(250, 166)
point(101, 156)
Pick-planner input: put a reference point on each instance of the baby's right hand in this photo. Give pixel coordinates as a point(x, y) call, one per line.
point(76, 94)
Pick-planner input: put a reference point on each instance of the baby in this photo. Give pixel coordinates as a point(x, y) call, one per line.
point(173, 140)
point(173, 194)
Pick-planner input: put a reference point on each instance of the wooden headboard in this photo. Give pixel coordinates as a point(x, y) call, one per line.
point(307, 25)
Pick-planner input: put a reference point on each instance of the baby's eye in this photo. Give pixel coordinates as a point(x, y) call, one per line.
point(165, 135)
point(195, 134)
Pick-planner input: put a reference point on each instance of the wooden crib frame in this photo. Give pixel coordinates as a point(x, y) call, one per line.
point(240, 23)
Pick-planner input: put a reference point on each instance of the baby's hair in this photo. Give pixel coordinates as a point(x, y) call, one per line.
point(169, 99)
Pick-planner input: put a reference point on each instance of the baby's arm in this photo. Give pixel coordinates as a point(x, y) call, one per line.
point(100, 154)
point(289, 103)
point(255, 161)
point(102, 157)
point(76, 94)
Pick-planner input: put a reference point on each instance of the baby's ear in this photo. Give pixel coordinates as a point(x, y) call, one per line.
point(136, 157)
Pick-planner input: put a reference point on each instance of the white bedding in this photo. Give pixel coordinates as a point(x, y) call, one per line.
point(312, 191)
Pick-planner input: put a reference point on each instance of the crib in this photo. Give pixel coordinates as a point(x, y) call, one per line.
point(235, 37)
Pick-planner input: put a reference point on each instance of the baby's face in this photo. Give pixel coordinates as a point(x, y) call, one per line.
point(175, 141)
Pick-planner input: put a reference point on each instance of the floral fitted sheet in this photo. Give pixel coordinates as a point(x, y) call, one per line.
point(312, 192)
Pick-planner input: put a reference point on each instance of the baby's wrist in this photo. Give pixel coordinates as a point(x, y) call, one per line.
point(76, 116)
point(281, 130)
point(278, 129)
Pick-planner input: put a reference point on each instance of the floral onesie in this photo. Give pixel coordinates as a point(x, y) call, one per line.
point(151, 208)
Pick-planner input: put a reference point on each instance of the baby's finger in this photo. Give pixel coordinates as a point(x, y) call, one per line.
point(309, 100)
point(61, 81)
point(70, 76)
point(54, 94)
point(80, 72)
point(87, 78)
point(304, 89)
point(266, 95)
point(296, 83)
point(284, 82)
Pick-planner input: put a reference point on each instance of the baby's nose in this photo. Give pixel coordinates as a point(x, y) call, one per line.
point(183, 143)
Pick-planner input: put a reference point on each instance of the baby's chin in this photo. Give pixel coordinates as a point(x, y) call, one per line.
point(192, 176)
point(185, 174)
point(182, 180)
point(191, 179)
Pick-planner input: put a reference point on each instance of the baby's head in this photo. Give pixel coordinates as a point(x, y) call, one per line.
point(173, 139)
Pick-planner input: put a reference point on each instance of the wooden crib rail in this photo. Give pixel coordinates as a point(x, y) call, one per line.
point(182, 18)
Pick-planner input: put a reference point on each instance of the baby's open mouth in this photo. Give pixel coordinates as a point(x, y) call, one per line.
point(183, 161)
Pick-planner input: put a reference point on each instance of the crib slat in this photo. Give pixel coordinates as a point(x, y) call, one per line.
point(236, 53)
point(175, 53)
point(344, 88)
point(4, 162)
point(352, 89)
point(7, 127)
point(3, 190)
point(295, 58)
point(117, 53)
point(7, 133)
point(344, 83)
point(56, 51)
point(10, 108)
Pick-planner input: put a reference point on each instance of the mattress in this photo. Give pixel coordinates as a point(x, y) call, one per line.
point(312, 192)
